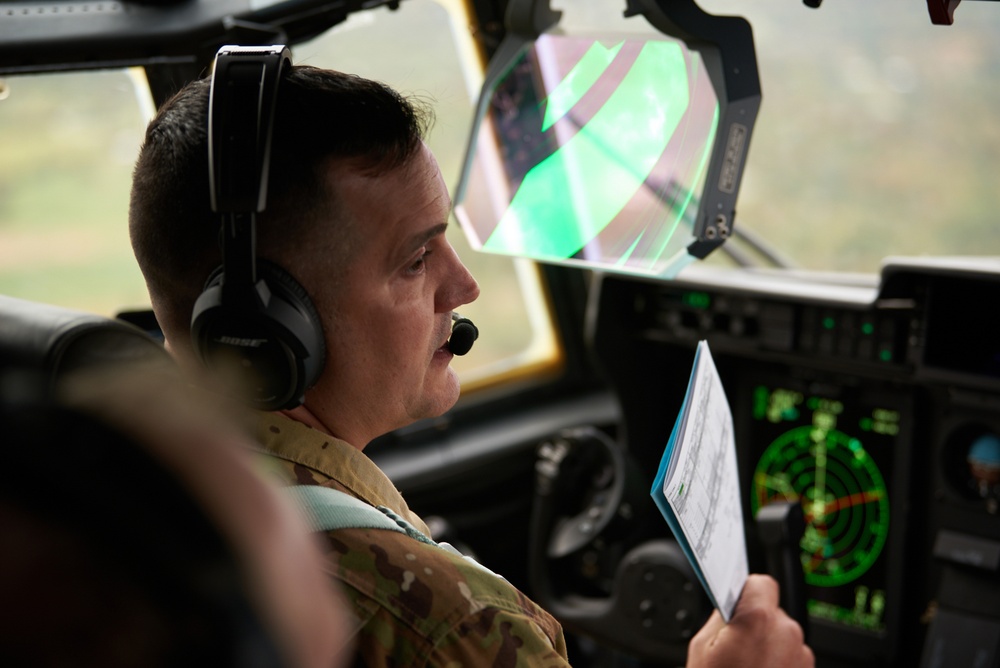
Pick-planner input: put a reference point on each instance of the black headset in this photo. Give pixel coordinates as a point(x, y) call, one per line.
point(253, 323)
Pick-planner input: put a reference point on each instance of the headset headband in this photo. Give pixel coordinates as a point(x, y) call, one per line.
point(245, 78)
point(241, 118)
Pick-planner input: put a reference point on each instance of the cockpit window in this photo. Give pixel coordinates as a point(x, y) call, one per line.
point(69, 143)
point(874, 139)
point(877, 132)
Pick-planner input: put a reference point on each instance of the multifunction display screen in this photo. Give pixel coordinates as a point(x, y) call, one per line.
point(832, 452)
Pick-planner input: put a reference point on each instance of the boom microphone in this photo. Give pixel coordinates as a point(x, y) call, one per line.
point(463, 335)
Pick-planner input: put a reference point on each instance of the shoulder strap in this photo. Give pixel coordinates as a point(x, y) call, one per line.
point(326, 509)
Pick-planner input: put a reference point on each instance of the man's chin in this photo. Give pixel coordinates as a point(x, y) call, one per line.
point(444, 397)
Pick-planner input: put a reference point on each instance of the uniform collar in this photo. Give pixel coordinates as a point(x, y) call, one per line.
point(330, 458)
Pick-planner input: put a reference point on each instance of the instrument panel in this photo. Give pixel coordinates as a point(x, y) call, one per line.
point(874, 406)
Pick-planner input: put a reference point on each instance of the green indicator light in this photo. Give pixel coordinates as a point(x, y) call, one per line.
point(885, 355)
point(760, 402)
point(865, 424)
point(782, 405)
point(699, 300)
point(829, 322)
point(867, 328)
point(885, 414)
point(889, 428)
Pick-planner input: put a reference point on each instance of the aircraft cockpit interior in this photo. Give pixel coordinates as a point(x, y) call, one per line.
point(808, 187)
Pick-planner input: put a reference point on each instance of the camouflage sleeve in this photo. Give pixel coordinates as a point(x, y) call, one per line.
point(419, 605)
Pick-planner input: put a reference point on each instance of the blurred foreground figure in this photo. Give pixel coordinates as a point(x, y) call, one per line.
point(133, 532)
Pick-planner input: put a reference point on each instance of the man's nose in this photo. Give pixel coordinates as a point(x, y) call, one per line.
point(465, 288)
point(459, 286)
point(471, 286)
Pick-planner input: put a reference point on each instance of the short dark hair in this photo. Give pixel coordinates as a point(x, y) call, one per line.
point(321, 116)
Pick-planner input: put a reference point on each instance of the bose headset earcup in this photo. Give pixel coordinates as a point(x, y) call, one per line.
point(270, 355)
point(253, 324)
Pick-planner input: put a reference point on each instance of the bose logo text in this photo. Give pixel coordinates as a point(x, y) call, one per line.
point(245, 343)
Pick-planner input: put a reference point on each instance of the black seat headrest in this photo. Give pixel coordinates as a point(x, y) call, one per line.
point(51, 342)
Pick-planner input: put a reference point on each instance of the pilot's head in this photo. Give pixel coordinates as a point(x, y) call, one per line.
point(356, 214)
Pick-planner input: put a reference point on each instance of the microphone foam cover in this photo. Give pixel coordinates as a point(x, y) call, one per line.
point(463, 335)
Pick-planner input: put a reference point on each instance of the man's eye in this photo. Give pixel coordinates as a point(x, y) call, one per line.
point(419, 264)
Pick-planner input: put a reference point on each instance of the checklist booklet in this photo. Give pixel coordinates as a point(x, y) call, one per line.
point(697, 487)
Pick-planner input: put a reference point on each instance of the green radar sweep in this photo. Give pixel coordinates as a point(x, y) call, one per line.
point(843, 496)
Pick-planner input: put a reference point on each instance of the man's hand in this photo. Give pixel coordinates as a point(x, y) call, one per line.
point(759, 633)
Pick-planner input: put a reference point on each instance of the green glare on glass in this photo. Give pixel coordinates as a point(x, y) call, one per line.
point(602, 150)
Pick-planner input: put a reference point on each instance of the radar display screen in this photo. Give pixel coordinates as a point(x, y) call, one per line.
point(831, 452)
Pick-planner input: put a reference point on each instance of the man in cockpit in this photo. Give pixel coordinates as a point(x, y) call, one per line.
point(356, 216)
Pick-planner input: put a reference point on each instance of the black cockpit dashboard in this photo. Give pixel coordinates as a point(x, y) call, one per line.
point(877, 406)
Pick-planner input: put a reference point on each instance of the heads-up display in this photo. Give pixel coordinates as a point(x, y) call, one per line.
point(592, 151)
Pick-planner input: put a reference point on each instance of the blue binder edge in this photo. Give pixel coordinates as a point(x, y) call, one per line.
point(660, 499)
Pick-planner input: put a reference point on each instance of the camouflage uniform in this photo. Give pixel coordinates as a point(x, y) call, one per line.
point(414, 604)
